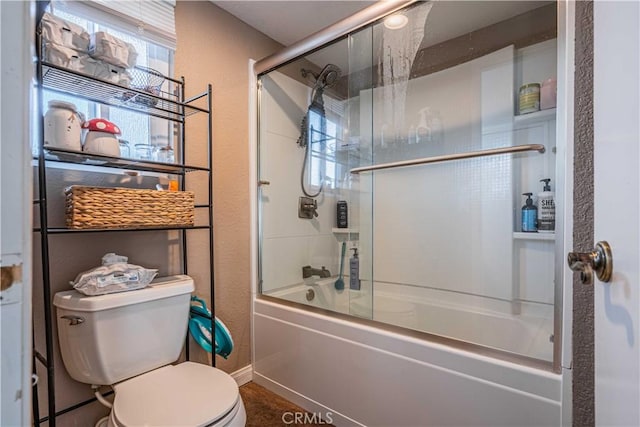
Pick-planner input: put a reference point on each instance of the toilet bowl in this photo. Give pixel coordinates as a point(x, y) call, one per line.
point(130, 341)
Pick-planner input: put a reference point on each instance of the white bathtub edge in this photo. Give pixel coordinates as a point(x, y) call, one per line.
point(321, 363)
point(543, 384)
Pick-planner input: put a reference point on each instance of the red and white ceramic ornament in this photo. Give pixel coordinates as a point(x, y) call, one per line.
point(101, 125)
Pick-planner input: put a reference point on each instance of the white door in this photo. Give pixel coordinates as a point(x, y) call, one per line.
point(616, 210)
point(16, 33)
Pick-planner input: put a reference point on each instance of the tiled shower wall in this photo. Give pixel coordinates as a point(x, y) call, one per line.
point(288, 242)
point(426, 234)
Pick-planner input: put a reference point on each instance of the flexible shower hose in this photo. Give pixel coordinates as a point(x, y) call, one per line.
point(302, 172)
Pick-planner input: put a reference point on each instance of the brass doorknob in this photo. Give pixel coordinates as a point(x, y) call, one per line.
point(600, 261)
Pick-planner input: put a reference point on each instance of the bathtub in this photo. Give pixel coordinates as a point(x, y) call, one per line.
point(355, 372)
point(525, 329)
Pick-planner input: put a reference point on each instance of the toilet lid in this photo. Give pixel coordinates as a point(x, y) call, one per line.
point(188, 394)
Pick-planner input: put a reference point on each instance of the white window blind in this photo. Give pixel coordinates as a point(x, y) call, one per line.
point(152, 20)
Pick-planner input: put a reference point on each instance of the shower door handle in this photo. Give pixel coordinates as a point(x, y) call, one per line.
point(600, 261)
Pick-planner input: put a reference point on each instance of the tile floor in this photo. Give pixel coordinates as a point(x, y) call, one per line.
point(266, 409)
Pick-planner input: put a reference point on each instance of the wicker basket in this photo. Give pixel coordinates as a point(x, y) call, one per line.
point(100, 207)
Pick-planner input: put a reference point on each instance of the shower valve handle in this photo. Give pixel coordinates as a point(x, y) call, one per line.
point(307, 208)
point(313, 207)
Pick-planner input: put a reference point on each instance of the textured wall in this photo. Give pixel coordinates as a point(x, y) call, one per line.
point(583, 335)
point(215, 47)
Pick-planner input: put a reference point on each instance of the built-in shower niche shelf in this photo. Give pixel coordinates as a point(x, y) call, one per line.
point(523, 120)
point(519, 235)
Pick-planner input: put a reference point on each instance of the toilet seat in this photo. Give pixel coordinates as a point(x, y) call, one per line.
point(187, 394)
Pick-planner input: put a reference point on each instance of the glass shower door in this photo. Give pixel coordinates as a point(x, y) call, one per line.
point(305, 153)
point(409, 121)
point(447, 253)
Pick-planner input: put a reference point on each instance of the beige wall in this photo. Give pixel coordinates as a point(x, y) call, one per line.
point(215, 47)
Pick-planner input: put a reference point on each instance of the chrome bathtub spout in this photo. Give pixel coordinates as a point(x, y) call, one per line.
point(308, 271)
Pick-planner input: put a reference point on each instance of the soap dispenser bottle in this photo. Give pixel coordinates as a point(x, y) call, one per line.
point(546, 208)
point(354, 271)
point(529, 215)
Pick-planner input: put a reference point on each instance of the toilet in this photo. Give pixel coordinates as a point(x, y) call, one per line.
point(129, 341)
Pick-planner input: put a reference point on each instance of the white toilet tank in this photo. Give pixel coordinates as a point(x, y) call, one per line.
point(108, 338)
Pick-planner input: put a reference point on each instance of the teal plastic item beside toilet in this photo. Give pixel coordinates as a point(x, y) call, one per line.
point(200, 329)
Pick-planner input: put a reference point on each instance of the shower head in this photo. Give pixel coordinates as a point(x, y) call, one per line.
point(328, 76)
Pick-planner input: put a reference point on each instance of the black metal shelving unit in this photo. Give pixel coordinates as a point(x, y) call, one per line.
point(171, 106)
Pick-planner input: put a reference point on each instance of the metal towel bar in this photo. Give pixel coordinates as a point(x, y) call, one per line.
point(413, 162)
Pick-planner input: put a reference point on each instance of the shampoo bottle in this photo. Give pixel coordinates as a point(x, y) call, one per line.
point(354, 271)
point(529, 215)
point(546, 209)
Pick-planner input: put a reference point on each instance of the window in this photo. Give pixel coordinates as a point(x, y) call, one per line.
point(137, 128)
point(323, 165)
point(322, 160)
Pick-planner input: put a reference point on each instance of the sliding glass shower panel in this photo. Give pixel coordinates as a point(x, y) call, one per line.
point(439, 243)
point(357, 151)
point(449, 257)
point(304, 158)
